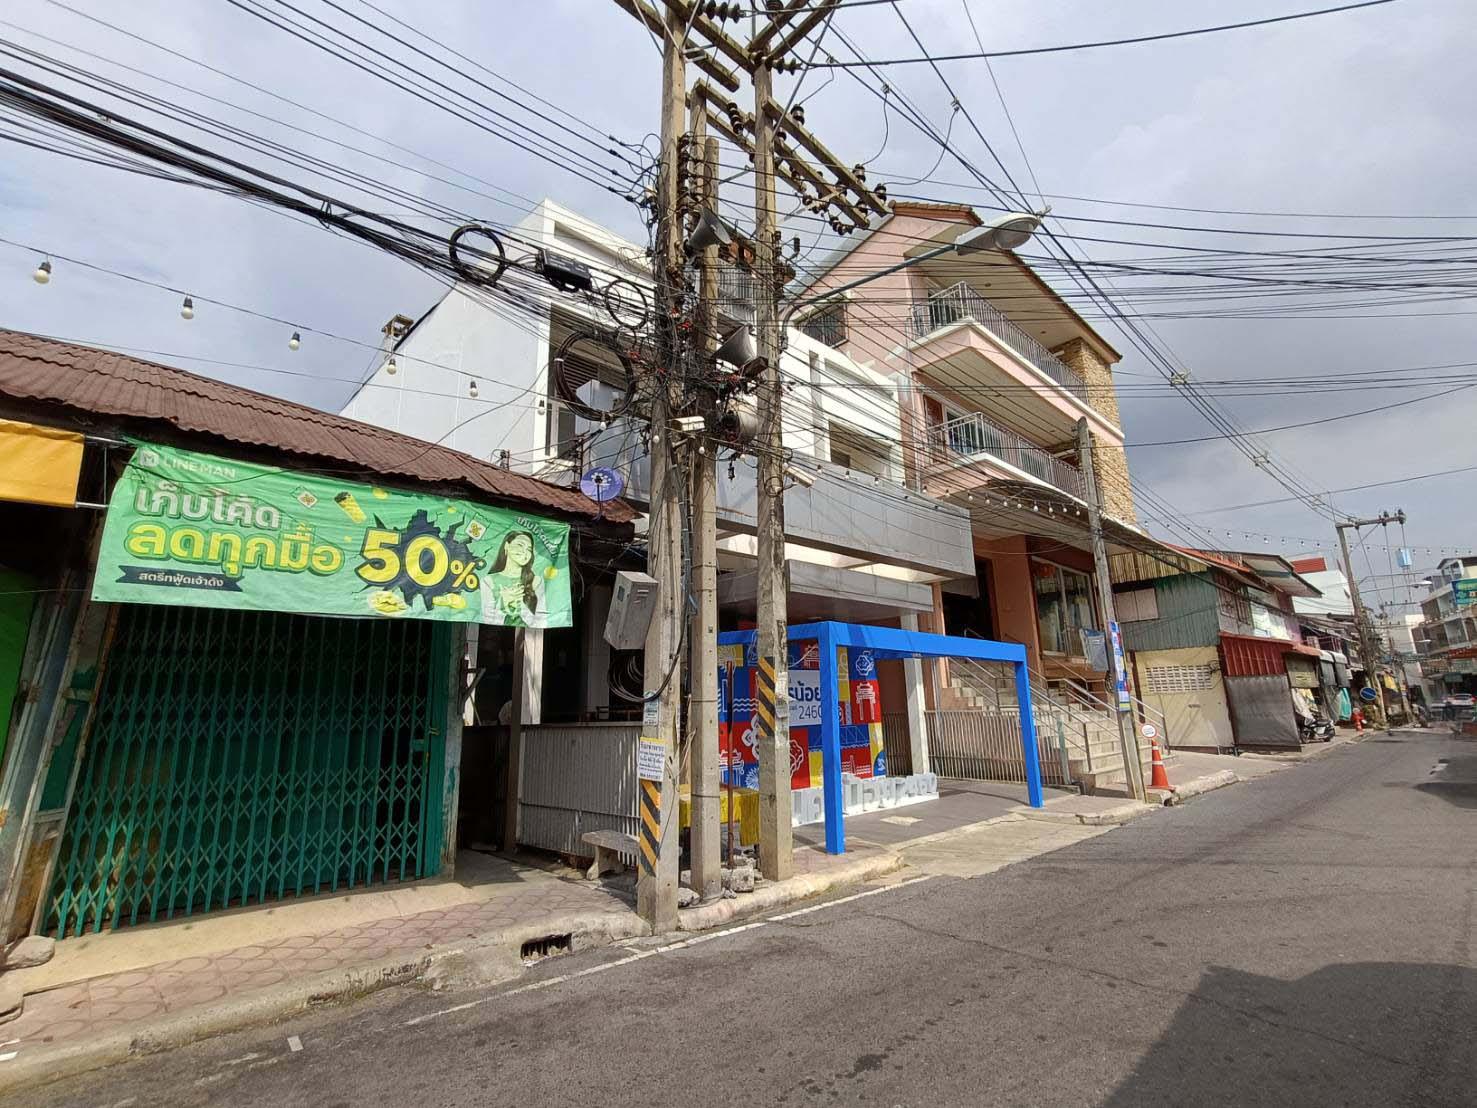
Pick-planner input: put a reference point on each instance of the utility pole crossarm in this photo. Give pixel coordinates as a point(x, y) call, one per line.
point(777, 23)
point(810, 22)
point(821, 153)
point(649, 18)
point(828, 192)
point(701, 24)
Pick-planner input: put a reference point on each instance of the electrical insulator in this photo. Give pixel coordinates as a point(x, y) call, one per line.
point(797, 113)
point(859, 172)
point(881, 193)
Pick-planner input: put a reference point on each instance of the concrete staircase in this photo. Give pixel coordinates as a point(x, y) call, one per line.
point(1087, 726)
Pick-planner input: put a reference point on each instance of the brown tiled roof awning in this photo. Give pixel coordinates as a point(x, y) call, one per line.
point(116, 391)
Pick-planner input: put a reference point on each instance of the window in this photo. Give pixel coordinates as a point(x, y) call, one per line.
point(859, 452)
point(1136, 604)
point(1178, 679)
point(827, 325)
point(1064, 607)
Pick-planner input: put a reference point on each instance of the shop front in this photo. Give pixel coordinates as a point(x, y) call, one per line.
point(273, 672)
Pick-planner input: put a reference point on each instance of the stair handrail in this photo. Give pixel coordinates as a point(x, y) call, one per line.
point(1147, 711)
point(1046, 707)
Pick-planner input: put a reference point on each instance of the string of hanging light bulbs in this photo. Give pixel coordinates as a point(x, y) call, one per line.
point(42, 275)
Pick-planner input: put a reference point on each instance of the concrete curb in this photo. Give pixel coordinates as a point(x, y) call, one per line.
point(781, 893)
point(1199, 785)
point(1109, 817)
point(178, 1029)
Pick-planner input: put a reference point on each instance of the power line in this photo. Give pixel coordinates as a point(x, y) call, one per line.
point(929, 59)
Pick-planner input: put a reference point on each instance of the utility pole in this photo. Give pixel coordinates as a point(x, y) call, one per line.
point(827, 186)
point(656, 883)
point(703, 757)
point(1128, 743)
point(772, 699)
point(1368, 644)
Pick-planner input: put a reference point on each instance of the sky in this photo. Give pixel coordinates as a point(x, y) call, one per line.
point(1358, 113)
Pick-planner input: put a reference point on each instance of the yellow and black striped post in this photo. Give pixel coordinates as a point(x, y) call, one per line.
point(764, 699)
point(650, 837)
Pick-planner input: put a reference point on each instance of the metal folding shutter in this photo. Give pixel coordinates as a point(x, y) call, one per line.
point(239, 757)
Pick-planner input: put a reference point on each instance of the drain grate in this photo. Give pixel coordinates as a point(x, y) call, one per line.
point(535, 950)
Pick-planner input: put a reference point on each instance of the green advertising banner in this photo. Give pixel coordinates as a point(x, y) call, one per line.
point(1464, 592)
point(191, 529)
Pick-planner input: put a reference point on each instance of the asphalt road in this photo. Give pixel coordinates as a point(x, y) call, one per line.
point(1304, 939)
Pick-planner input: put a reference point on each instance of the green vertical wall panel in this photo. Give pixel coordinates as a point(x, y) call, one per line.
point(1188, 616)
point(17, 599)
point(239, 757)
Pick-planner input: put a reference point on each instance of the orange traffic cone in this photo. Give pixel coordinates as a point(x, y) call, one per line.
point(1158, 779)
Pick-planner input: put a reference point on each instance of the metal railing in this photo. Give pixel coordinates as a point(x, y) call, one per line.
point(1143, 712)
point(1064, 736)
point(959, 302)
point(975, 434)
point(1076, 730)
point(737, 288)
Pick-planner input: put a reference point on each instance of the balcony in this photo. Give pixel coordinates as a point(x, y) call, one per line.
point(973, 438)
point(737, 288)
point(960, 303)
point(842, 512)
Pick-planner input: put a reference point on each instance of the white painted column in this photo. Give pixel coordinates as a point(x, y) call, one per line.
point(597, 650)
point(533, 675)
point(917, 716)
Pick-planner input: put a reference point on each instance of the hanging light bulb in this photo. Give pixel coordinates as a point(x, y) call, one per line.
point(187, 309)
point(472, 389)
point(294, 342)
point(42, 275)
point(390, 366)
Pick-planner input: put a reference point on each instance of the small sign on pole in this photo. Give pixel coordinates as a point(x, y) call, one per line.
point(651, 757)
point(1149, 731)
point(1368, 695)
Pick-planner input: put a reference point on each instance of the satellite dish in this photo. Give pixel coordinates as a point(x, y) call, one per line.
point(602, 483)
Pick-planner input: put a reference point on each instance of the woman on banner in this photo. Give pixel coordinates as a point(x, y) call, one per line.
point(512, 588)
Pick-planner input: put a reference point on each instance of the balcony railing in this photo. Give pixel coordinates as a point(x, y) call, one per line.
point(737, 289)
point(973, 435)
point(960, 302)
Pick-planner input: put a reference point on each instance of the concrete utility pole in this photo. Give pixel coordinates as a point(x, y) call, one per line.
point(772, 700)
point(1128, 743)
point(830, 186)
point(1368, 643)
point(703, 757)
point(656, 883)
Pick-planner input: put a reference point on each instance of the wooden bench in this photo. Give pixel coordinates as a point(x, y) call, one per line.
point(611, 850)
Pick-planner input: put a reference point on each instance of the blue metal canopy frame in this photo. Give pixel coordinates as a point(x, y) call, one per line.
point(891, 642)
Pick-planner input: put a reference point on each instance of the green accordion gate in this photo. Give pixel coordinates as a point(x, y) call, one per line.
point(238, 757)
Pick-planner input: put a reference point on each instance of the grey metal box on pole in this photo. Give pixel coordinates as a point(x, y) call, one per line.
point(631, 607)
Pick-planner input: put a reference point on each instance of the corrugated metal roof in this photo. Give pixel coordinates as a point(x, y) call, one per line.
point(137, 393)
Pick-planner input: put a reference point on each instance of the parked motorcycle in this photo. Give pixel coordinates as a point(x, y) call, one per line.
point(1315, 729)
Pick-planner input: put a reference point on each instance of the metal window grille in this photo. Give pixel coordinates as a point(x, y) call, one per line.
point(238, 757)
point(827, 325)
point(1178, 679)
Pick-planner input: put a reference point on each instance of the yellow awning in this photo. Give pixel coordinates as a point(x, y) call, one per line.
point(39, 465)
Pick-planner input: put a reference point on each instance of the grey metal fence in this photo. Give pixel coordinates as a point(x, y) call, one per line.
point(576, 777)
point(986, 746)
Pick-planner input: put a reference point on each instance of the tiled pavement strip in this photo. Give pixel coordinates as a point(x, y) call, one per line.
point(119, 1001)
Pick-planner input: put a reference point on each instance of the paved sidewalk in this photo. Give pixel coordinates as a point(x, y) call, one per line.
point(515, 901)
